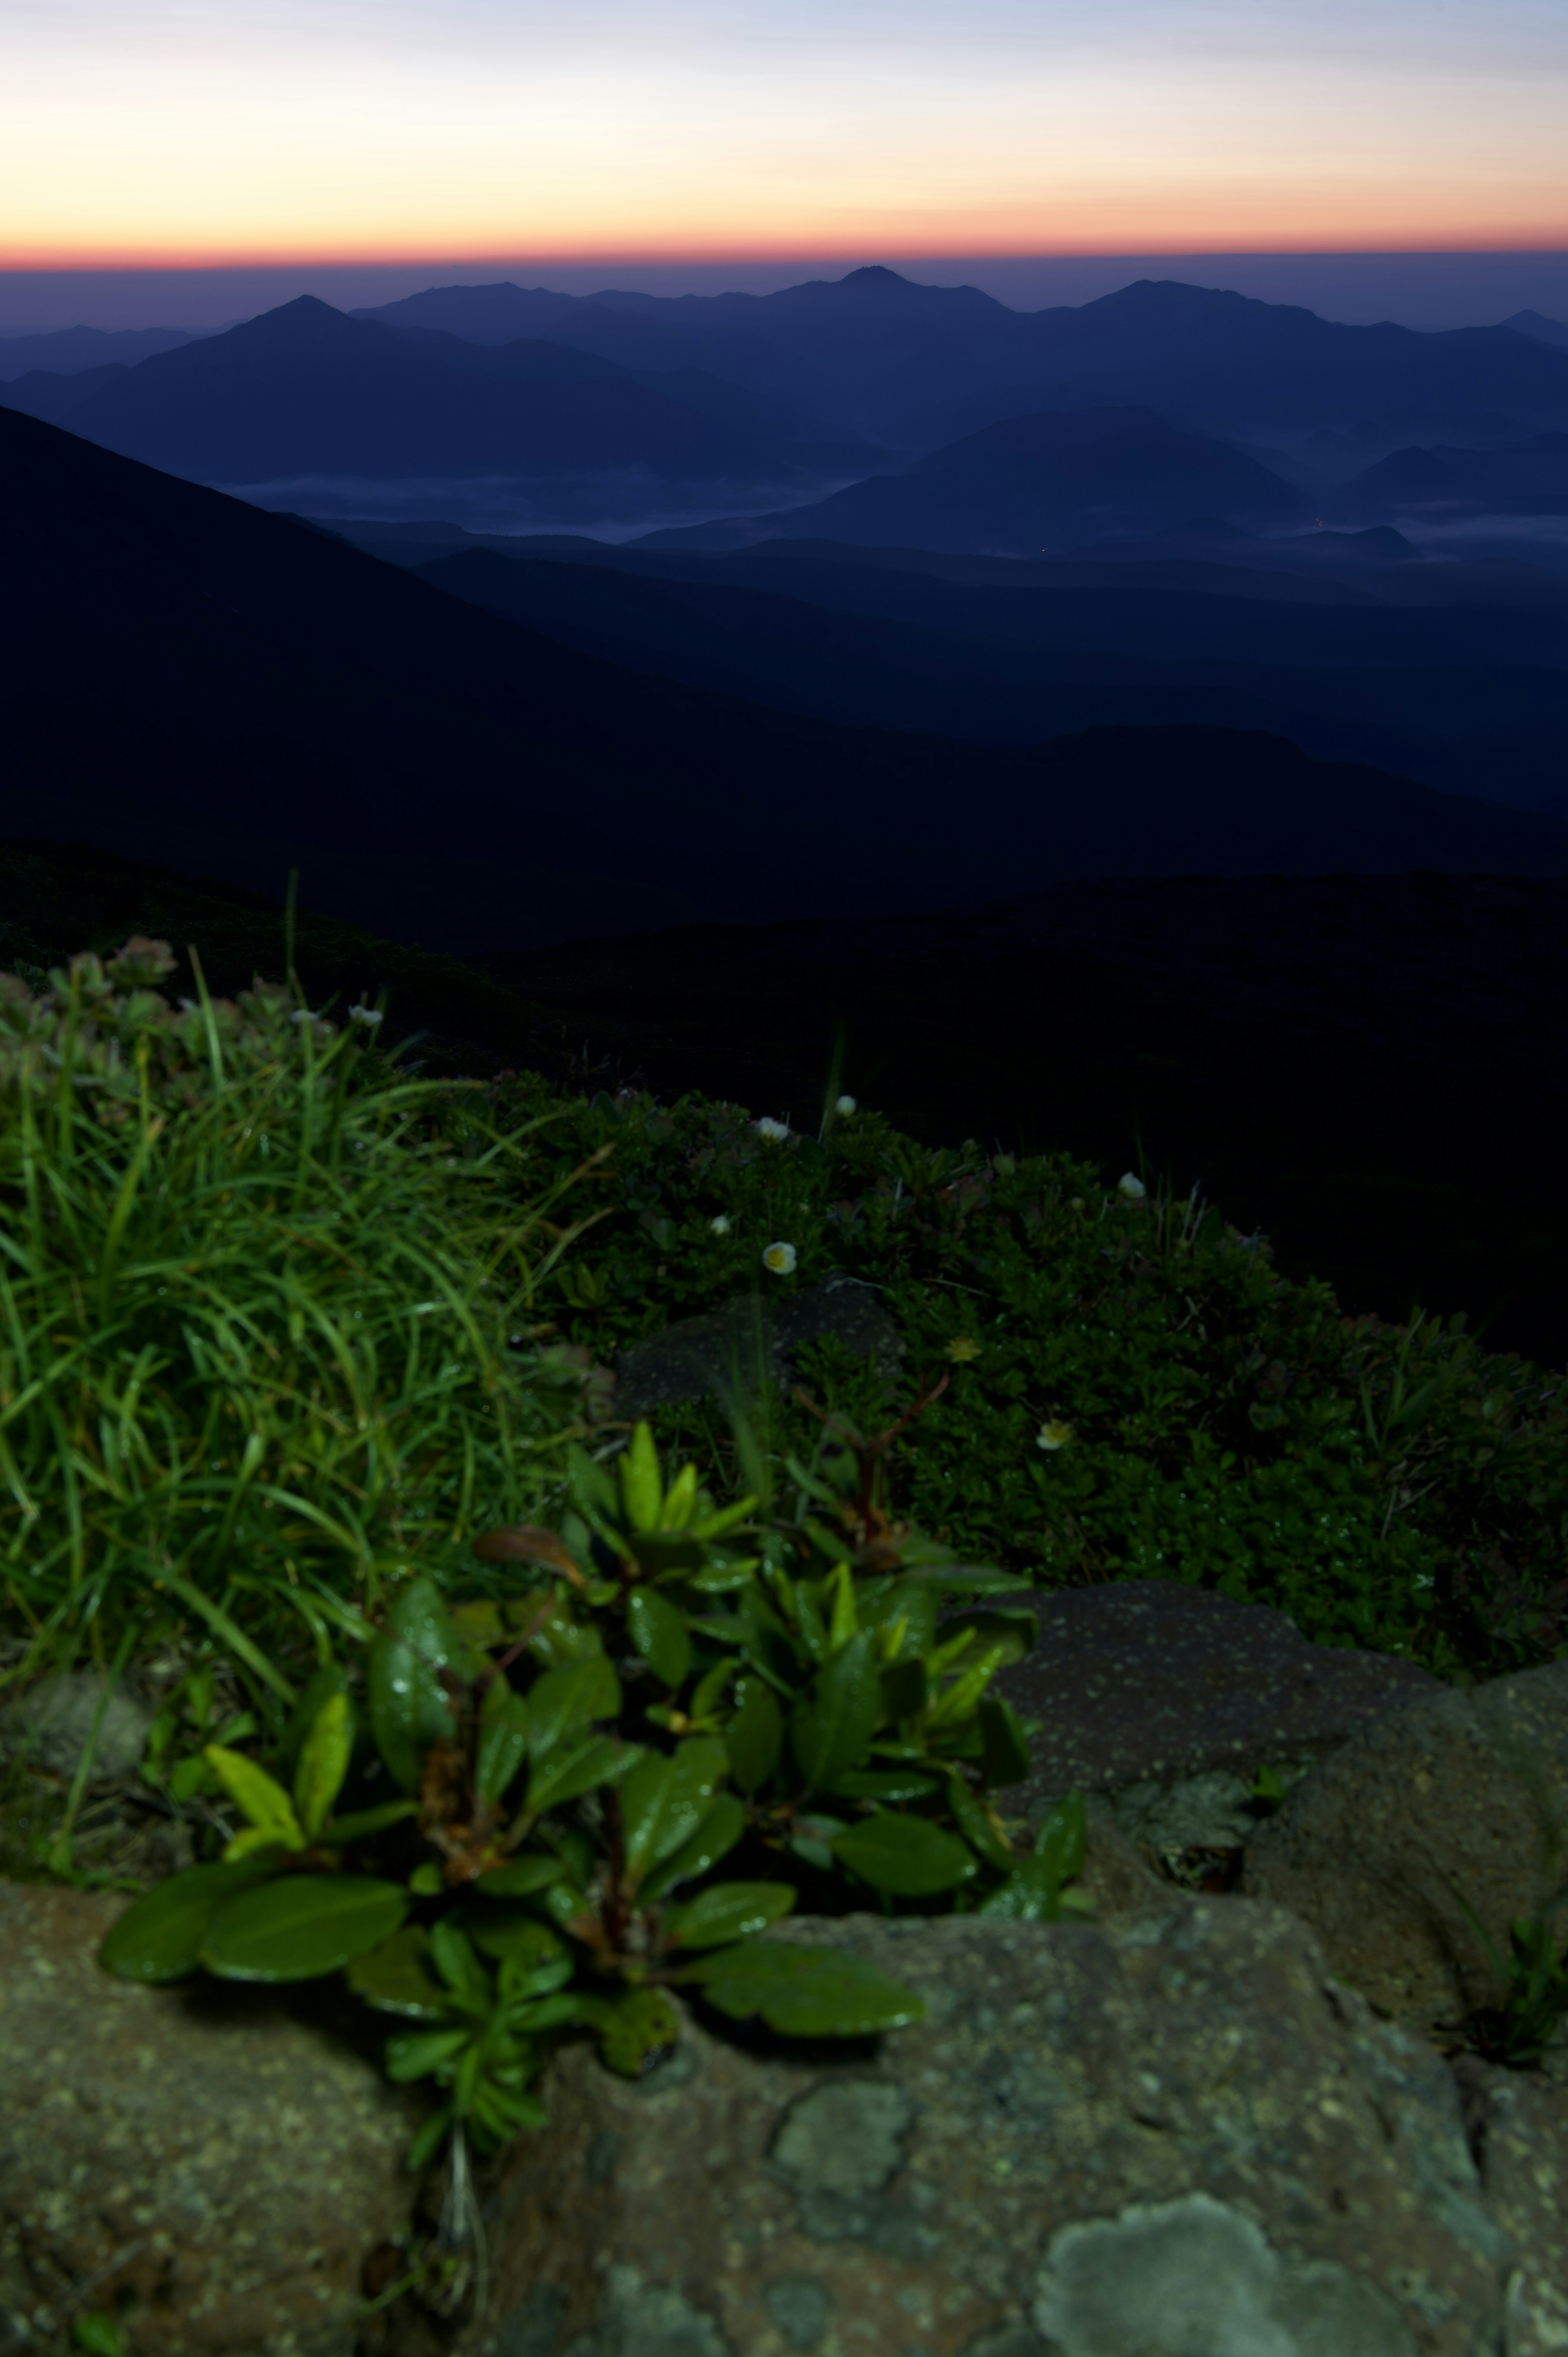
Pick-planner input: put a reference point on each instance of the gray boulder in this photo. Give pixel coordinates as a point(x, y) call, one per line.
point(1170, 2136)
point(203, 2166)
point(1465, 1792)
point(1170, 1698)
point(1518, 2127)
point(754, 1339)
point(52, 1726)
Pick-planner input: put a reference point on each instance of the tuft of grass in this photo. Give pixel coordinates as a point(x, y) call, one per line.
point(266, 1334)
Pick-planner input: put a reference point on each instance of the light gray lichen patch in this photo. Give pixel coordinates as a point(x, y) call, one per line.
point(1196, 2278)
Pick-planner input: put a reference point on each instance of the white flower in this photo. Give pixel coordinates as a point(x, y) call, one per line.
point(774, 1131)
point(780, 1259)
point(844, 1106)
point(1053, 1436)
point(719, 1224)
point(1133, 1187)
point(370, 1016)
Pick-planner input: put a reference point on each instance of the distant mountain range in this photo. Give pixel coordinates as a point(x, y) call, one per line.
point(1528, 478)
point(305, 390)
point(68, 351)
point(1546, 331)
point(1015, 488)
point(920, 366)
point(229, 692)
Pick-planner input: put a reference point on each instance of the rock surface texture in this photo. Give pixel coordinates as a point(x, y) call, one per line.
point(1465, 1791)
point(1172, 1697)
point(1172, 2137)
point(706, 1354)
point(209, 2170)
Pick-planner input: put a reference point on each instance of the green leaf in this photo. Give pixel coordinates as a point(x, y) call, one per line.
point(330, 1679)
point(418, 2052)
point(409, 1708)
point(299, 1926)
point(641, 1488)
point(159, 1936)
point(640, 2028)
point(1033, 1892)
point(804, 1992)
point(976, 1824)
point(755, 1736)
point(324, 1757)
point(904, 1688)
point(361, 1823)
point(396, 1977)
point(519, 1876)
point(431, 2136)
point(535, 1959)
point(715, 1837)
point(266, 1804)
point(665, 1799)
point(726, 1911)
point(1063, 1837)
point(451, 1953)
point(573, 1696)
point(910, 1783)
point(659, 1633)
point(571, 1771)
point(503, 1742)
point(98, 2335)
point(907, 1856)
point(1011, 1627)
point(833, 1730)
point(1004, 1746)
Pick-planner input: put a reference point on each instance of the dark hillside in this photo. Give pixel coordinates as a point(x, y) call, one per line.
point(192, 681)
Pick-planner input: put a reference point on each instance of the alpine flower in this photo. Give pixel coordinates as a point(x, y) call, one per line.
point(775, 1132)
point(844, 1106)
point(780, 1259)
point(1053, 1435)
point(719, 1224)
point(962, 1349)
point(1133, 1187)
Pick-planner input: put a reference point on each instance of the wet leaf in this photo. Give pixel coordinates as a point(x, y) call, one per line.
point(503, 1742)
point(519, 1876)
point(715, 1837)
point(416, 2053)
point(324, 1757)
point(726, 1911)
point(755, 1736)
point(640, 1486)
point(658, 1632)
point(565, 1699)
point(907, 1856)
point(361, 1823)
point(299, 1926)
point(160, 1937)
point(409, 1707)
point(832, 1731)
point(912, 1783)
point(804, 1992)
point(526, 1542)
point(665, 1798)
point(575, 1768)
point(451, 1953)
point(264, 1801)
point(397, 1978)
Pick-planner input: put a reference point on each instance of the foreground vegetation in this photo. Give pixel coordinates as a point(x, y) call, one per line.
point(308, 1428)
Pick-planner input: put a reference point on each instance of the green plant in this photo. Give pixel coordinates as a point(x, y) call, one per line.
point(264, 1335)
point(670, 1686)
point(1136, 1392)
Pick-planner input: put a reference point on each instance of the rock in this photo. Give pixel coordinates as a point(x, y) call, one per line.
point(52, 1725)
point(1167, 2138)
point(1464, 1791)
point(1517, 2124)
point(1171, 1698)
point(201, 2164)
point(749, 1338)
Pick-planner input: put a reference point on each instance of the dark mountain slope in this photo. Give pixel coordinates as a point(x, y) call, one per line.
point(1469, 700)
point(305, 390)
point(191, 680)
point(1061, 475)
point(1528, 478)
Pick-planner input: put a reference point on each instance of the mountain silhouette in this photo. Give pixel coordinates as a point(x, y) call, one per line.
point(305, 390)
point(1526, 478)
point(920, 366)
point(1060, 476)
point(194, 681)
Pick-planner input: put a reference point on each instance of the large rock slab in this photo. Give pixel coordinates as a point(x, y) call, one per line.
point(1465, 1792)
point(1518, 2126)
point(1169, 2137)
point(1171, 1697)
point(207, 2169)
point(750, 1339)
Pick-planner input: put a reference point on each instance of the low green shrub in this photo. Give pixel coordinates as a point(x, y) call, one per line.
point(265, 1336)
point(1135, 1393)
point(662, 1687)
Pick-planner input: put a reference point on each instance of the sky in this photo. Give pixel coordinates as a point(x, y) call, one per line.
point(177, 133)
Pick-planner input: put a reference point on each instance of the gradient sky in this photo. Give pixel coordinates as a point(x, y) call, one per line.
point(204, 131)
